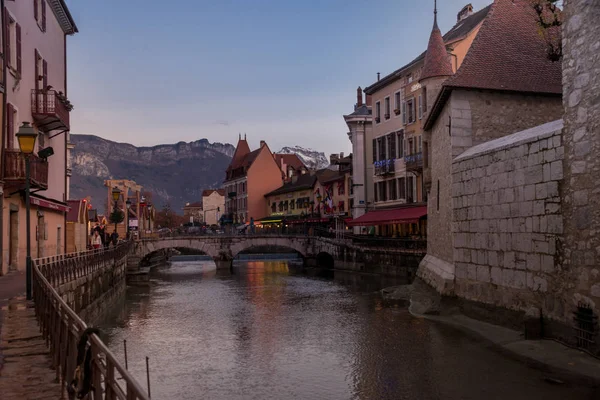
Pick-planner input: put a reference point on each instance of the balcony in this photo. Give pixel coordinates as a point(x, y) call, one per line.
point(414, 162)
point(385, 167)
point(14, 171)
point(50, 110)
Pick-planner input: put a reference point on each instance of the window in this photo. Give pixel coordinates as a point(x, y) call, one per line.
point(274, 206)
point(392, 145)
point(11, 117)
point(409, 78)
point(420, 106)
point(41, 72)
point(410, 146)
point(292, 205)
point(381, 146)
point(424, 91)
point(397, 103)
point(404, 112)
point(375, 192)
point(410, 105)
point(377, 112)
point(393, 191)
point(387, 108)
point(13, 43)
point(420, 144)
point(383, 191)
point(402, 187)
point(400, 144)
point(39, 13)
point(374, 150)
point(438, 195)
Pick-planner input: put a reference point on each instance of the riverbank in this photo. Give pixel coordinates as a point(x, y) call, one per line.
point(560, 363)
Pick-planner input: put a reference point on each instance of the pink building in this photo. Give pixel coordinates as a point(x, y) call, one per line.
point(35, 38)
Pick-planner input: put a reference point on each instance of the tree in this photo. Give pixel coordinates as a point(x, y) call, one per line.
point(167, 218)
point(549, 20)
point(116, 217)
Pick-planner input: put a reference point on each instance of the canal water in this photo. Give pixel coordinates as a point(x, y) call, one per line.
point(267, 331)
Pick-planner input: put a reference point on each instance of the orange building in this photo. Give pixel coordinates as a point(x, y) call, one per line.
point(250, 175)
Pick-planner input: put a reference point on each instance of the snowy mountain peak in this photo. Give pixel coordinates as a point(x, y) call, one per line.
point(311, 158)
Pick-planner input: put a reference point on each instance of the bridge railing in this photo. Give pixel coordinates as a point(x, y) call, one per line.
point(61, 327)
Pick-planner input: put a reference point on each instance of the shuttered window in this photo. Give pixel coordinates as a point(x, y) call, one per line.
point(43, 15)
point(10, 126)
point(392, 145)
point(374, 150)
point(7, 22)
point(18, 36)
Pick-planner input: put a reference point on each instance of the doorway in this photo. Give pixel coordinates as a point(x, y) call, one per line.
point(13, 238)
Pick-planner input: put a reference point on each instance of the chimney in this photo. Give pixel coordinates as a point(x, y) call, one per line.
point(378, 76)
point(341, 155)
point(262, 143)
point(334, 158)
point(359, 97)
point(369, 100)
point(466, 12)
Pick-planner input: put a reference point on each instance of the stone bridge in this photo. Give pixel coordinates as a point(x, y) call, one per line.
point(395, 258)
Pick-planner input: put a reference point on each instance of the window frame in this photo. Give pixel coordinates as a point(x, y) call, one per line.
point(386, 107)
point(398, 102)
point(378, 112)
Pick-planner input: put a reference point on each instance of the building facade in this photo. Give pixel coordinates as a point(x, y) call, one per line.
point(400, 104)
point(140, 213)
point(291, 165)
point(213, 201)
point(193, 212)
point(292, 201)
point(250, 175)
point(360, 125)
point(35, 37)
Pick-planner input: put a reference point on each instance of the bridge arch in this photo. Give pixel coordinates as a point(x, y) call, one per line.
point(297, 245)
point(208, 247)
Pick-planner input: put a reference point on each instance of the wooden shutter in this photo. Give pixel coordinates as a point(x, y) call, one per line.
point(404, 112)
point(45, 74)
point(374, 150)
point(36, 81)
point(10, 126)
point(7, 36)
point(35, 10)
point(18, 34)
point(43, 15)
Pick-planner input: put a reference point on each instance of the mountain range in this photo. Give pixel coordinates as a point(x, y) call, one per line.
point(174, 173)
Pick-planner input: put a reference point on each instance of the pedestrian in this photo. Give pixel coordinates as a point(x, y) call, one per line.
point(96, 240)
point(252, 225)
point(114, 238)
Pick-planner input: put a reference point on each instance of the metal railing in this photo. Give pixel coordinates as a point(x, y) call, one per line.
point(14, 168)
point(61, 326)
point(49, 103)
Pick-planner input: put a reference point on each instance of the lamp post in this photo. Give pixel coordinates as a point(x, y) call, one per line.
point(128, 206)
point(26, 137)
point(116, 193)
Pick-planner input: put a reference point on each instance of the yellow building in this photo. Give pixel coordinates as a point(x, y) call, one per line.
point(292, 201)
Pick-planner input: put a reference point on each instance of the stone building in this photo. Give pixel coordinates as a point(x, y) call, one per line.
point(213, 204)
point(515, 214)
point(193, 213)
point(393, 144)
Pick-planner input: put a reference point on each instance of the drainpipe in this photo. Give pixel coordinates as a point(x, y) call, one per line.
point(2, 131)
point(66, 151)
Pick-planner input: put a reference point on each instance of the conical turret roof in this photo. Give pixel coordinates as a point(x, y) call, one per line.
point(437, 60)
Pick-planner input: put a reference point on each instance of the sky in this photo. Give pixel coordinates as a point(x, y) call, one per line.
point(149, 72)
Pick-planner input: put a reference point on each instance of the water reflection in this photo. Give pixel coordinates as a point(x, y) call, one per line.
point(267, 331)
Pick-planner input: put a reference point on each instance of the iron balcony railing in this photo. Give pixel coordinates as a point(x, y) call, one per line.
point(385, 167)
point(49, 109)
point(61, 326)
point(15, 172)
point(414, 161)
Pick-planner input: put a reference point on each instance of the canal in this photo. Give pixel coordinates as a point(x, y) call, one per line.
point(266, 331)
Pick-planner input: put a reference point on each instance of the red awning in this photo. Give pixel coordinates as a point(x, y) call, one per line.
point(49, 204)
point(407, 215)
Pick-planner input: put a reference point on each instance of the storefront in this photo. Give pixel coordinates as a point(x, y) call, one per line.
point(397, 222)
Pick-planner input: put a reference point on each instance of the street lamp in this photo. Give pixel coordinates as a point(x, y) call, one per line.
point(26, 137)
point(128, 206)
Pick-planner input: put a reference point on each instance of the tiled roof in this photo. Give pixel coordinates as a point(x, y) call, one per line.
point(241, 151)
point(508, 54)
point(437, 61)
point(327, 175)
point(74, 210)
point(360, 111)
point(304, 182)
point(292, 160)
point(208, 192)
point(460, 30)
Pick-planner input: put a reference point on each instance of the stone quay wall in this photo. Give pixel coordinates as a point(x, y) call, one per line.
point(87, 294)
point(507, 220)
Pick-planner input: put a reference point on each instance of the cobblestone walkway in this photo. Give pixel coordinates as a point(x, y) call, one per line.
point(26, 372)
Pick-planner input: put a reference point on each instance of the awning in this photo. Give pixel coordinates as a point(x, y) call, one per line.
point(406, 215)
point(50, 205)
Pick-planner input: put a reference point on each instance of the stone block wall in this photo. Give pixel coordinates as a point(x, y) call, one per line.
point(581, 189)
point(507, 219)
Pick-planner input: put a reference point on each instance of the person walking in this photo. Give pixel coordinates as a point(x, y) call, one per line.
point(96, 240)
